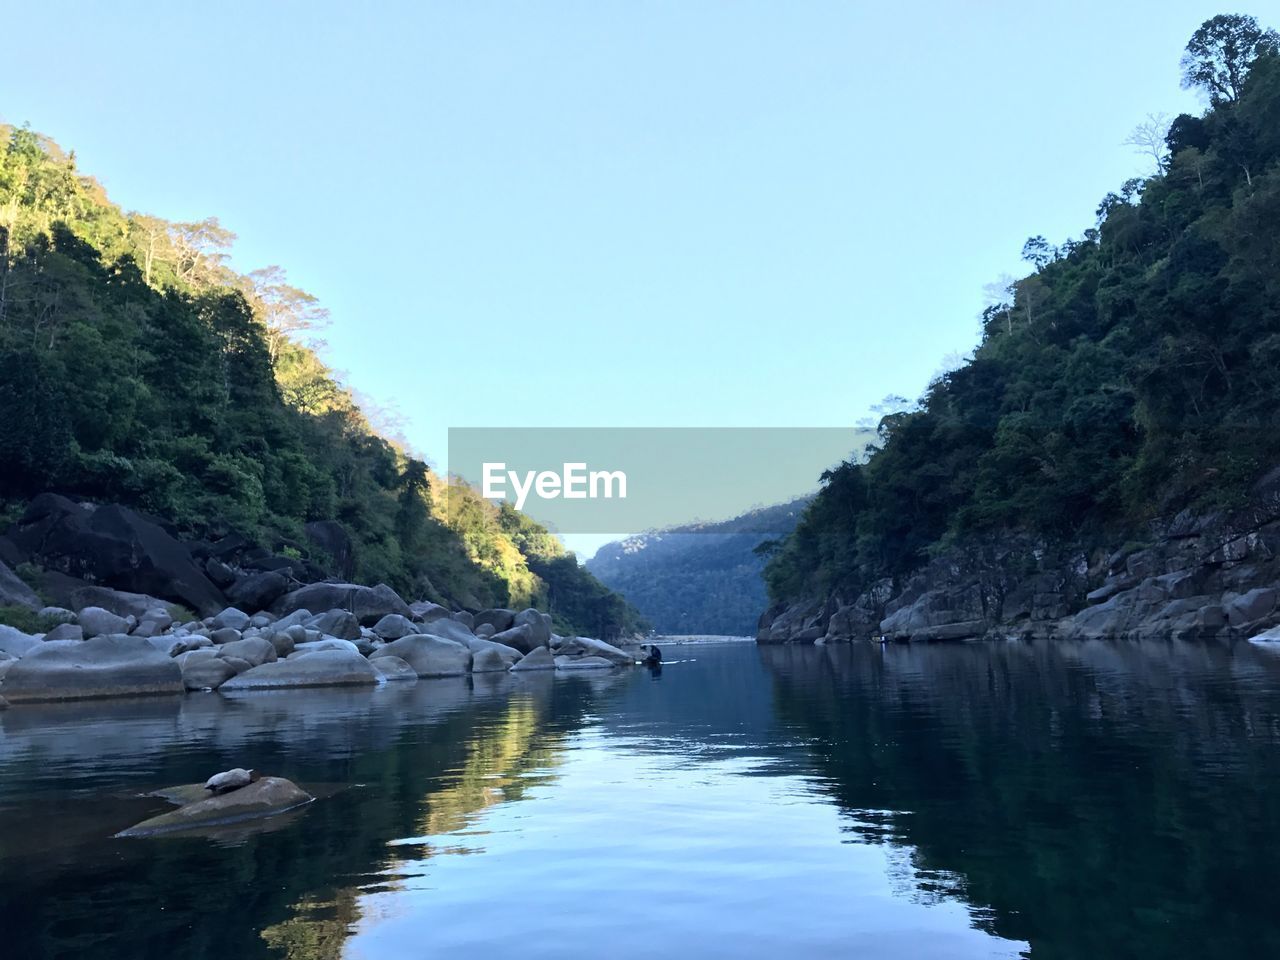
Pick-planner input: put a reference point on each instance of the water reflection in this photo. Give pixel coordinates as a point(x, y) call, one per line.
point(958, 801)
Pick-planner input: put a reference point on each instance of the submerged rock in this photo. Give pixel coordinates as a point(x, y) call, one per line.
point(263, 798)
point(583, 663)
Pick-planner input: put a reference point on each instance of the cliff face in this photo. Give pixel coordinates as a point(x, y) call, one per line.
point(1212, 576)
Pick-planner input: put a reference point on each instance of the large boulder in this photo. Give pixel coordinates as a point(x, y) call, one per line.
point(448, 629)
point(115, 546)
point(522, 638)
point(14, 642)
point(393, 627)
point(206, 673)
point(428, 655)
point(337, 623)
point(67, 631)
point(325, 668)
point(95, 621)
point(14, 592)
point(263, 798)
point(490, 661)
point(539, 624)
point(591, 647)
point(232, 617)
point(368, 604)
point(76, 594)
point(393, 668)
point(106, 666)
point(258, 591)
point(583, 663)
point(254, 651)
point(508, 654)
point(499, 617)
point(424, 611)
point(539, 659)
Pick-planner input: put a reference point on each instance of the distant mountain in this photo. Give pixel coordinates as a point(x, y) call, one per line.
point(698, 578)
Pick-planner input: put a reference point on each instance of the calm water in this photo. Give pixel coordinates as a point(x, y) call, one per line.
point(989, 800)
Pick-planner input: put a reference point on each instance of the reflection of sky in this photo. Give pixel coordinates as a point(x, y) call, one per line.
point(637, 854)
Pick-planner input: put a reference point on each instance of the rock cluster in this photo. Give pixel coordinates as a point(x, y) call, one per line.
point(320, 634)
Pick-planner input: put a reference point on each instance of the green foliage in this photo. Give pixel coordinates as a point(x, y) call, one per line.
point(136, 367)
point(1132, 374)
point(28, 621)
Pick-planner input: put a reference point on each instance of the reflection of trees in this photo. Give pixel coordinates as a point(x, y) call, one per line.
point(1101, 799)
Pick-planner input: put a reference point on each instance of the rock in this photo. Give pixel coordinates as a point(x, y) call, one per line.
point(283, 642)
point(14, 592)
point(104, 666)
point(262, 619)
point(429, 656)
point(4, 704)
point(76, 595)
point(229, 780)
point(1267, 636)
point(489, 661)
point(337, 623)
point(464, 618)
point(1251, 607)
point(217, 571)
point(424, 611)
point(325, 668)
point(590, 647)
point(95, 621)
point(66, 631)
point(367, 604)
point(500, 618)
point(485, 630)
point(58, 614)
point(207, 673)
point(14, 642)
point(231, 617)
point(509, 654)
point(263, 798)
point(521, 637)
point(259, 590)
point(254, 651)
point(539, 624)
point(332, 538)
point(298, 618)
point(393, 668)
point(159, 619)
point(236, 664)
point(167, 644)
point(583, 663)
point(115, 546)
point(393, 627)
point(327, 643)
point(226, 635)
point(539, 659)
point(448, 629)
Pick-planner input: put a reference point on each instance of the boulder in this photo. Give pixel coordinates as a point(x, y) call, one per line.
point(368, 604)
point(325, 668)
point(583, 663)
point(509, 654)
point(14, 592)
point(258, 590)
point(206, 673)
point(283, 642)
point(429, 656)
point(263, 798)
point(521, 637)
point(328, 643)
point(1251, 607)
point(393, 668)
point(76, 594)
point(58, 614)
point(254, 651)
point(236, 664)
point(217, 571)
point(298, 618)
point(489, 661)
point(499, 617)
point(231, 617)
point(95, 621)
point(225, 635)
point(448, 629)
point(464, 618)
point(485, 630)
point(539, 659)
point(393, 627)
point(105, 666)
point(539, 624)
point(591, 647)
point(337, 623)
point(424, 611)
point(67, 631)
point(14, 642)
point(116, 546)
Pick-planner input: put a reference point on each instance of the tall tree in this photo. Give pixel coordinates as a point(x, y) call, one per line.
point(1218, 57)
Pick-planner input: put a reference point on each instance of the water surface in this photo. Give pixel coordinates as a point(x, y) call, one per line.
point(966, 801)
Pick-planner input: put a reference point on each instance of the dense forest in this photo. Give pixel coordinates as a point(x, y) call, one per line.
point(1129, 376)
point(704, 578)
point(137, 367)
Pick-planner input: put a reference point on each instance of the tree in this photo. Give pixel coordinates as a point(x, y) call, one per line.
point(284, 310)
point(1220, 53)
point(1150, 139)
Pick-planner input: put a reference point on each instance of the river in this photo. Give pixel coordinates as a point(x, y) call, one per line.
point(1080, 800)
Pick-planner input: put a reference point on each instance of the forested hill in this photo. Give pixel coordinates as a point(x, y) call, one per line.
point(136, 367)
point(1131, 375)
point(698, 579)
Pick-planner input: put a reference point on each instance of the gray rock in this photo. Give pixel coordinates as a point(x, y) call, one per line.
point(489, 661)
point(521, 637)
point(65, 631)
point(325, 668)
point(464, 618)
point(509, 654)
point(327, 643)
point(219, 572)
point(264, 798)
point(337, 623)
point(226, 635)
point(429, 656)
point(393, 627)
point(258, 590)
point(424, 611)
point(231, 617)
point(485, 630)
point(499, 617)
point(297, 618)
point(254, 651)
point(95, 622)
point(160, 618)
point(14, 642)
point(14, 592)
point(236, 664)
point(539, 624)
point(58, 614)
point(1251, 607)
point(449, 629)
point(393, 668)
point(103, 666)
point(583, 663)
point(206, 673)
point(367, 604)
point(591, 647)
point(167, 644)
point(262, 619)
point(539, 659)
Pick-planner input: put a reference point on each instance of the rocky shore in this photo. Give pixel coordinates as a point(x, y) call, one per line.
point(260, 624)
point(1197, 577)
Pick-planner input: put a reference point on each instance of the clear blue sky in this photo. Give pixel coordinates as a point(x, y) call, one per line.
point(595, 213)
